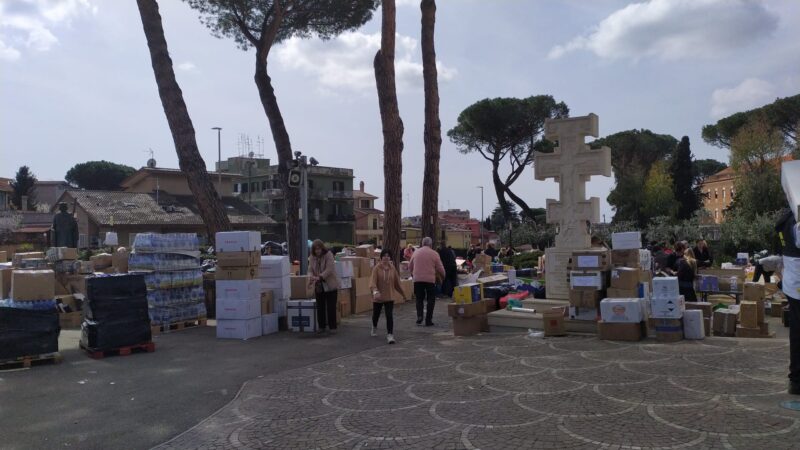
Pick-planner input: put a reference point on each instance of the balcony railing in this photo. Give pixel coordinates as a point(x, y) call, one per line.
point(340, 194)
point(341, 218)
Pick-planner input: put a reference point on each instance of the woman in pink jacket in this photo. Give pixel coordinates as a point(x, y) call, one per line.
point(386, 289)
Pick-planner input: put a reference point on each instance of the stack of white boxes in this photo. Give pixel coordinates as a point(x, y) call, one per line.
point(238, 301)
point(344, 269)
point(274, 277)
point(666, 309)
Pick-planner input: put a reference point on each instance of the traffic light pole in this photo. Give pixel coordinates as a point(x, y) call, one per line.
point(304, 220)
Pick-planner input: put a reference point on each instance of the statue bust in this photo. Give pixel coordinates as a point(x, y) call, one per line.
point(65, 228)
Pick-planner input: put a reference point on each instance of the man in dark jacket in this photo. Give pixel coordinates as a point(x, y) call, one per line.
point(448, 258)
point(787, 232)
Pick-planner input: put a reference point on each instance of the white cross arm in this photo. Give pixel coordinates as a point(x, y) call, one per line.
point(581, 126)
point(582, 211)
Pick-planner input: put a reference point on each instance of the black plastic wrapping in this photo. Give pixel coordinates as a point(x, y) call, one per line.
point(116, 297)
point(131, 285)
point(25, 332)
point(114, 334)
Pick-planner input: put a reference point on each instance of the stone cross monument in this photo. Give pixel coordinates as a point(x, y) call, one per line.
point(571, 164)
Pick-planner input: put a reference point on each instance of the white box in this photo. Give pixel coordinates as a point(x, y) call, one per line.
point(239, 329)
point(239, 289)
point(665, 287)
point(302, 315)
point(238, 309)
point(274, 266)
point(238, 241)
point(269, 324)
point(790, 180)
point(645, 259)
point(626, 241)
point(693, 327)
point(667, 308)
point(345, 283)
point(622, 310)
point(344, 269)
point(583, 313)
point(586, 279)
point(281, 287)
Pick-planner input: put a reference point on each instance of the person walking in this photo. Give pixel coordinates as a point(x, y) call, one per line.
point(787, 230)
point(426, 267)
point(686, 269)
point(448, 258)
point(385, 286)
point(322, 273)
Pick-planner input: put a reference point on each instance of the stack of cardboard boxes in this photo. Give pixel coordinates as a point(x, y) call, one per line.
point(273, 274)
point(666, 309)
point(344, 269)
point(238, 286)
point(469, 318)
point(588, 280)
point(622, 319)
point(751, 313)
point(301, 308)
point(360, 295)
point(707, 312)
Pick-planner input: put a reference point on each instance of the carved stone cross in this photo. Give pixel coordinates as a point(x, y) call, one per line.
point(572, 164)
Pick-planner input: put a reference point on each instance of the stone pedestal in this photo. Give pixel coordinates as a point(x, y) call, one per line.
point(555, 263)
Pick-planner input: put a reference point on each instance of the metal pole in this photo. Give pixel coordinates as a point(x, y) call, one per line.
point(250, 183)
point(304, 221)
point(481, 188)
point(219, 158)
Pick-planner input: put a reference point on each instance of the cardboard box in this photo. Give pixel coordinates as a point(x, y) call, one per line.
point(669, 330)
point(665, 287)
point(626, 241)
point(269, 324)
point(18, 257)
point(693, 325)
point(591, 260)
point(5, 282)
point(361, 266)
point(667, 308)
point(468, 293)
point(490, 305)
point(274, 266)
point(279, 306)
point(238, 259)
point(617, 331)
point(267, 303)
point(343, 297)
point(302, 315)
point(622, 293)
point(281, 288)
point(468, 326)
point(69, 303)
point(408, 289)
point(624, 310)
point(708, 283)
point(466, 309)
point(61, 254)
point(753, 291)
point(119, 261)
point(85, 267)
point(724, 322)
point(747, 332)
point(27, 285)
point(707, 325)
point(584, 299)
point(776, 308)
point(584, 280)
point(70, 320)
point(302, 288)
point(365, 251)
point(553, 320)
point(626, 258)
point(345, 283)
point(239, 290)
point(361, 304)
point(706, 307)
point(625, 278)
point(101, 261)
point(748, 314)
point(237, 241)
point(361, 286)
point(239, 329)
point(239, 309)
point(344, 269)
point(3, 256)
point(236, 273)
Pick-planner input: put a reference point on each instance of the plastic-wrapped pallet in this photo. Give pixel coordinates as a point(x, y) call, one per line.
point(116, 312)
point(28, 332)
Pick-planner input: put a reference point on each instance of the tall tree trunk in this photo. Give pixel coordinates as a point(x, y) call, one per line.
point(433, 127)
point(524, 208)
point(180, 124)
point(392, 131)
point(283, 146)
point(499, 190)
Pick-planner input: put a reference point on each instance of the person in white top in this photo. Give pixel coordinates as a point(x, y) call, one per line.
point(789, 235)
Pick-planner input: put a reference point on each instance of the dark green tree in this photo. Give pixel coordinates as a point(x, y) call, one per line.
point(703, 168)
point(261, 24)
point(783, 114)
point(507, 129)
point(24, 184)
point(684, 181)
point(500, 219)
point(633, 154)
point(98, 175)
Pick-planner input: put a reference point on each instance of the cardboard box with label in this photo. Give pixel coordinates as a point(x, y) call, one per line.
point(102, 261)
point(267, 303)
point(238, 259)
point(584, 299)
point(343, 297)
point(669, 330)
point(469, 326)
point(365, 251)
point(466, 309)
point(61, 254)
point(724, 322)
point(281, 288)
point(232, 289)
point(237, 273)
point(239, 329)
point(708, 283)
point(269, 324)
point(625, 278)
point(302, 287)
point(344, 269)
point(273, 266)
point(587, 280)
point(553, 322)
point(18, 257)
point(237, 241)
point(591, 260)
point(345, 283)
point(626, 241)
point(625, 310)
point(468, 293)
point(239, 309)
point(618, 331)
point(706, 307)
point(361, 266)
point(302, 316)
point(27, 285)
point(622, 293)
point(667, 308)
point(753, 292)
point(626, 258)
point(748, 314)
point(665, 287)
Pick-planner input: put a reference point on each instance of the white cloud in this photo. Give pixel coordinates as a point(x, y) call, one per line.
point(750, 93)
point(186, 66)
point(27, 24)
point(346, 61)
point(675, 29)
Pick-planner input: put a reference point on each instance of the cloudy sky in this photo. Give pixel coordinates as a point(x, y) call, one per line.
point(76, 82)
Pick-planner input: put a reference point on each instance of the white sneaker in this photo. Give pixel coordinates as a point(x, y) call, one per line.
point(374, 332)
point(390, 339)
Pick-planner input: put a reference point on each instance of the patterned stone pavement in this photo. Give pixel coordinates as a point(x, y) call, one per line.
point(511, 391)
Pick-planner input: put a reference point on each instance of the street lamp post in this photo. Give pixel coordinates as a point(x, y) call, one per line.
point(302, 163)
point(481, 188)
point(219, 157)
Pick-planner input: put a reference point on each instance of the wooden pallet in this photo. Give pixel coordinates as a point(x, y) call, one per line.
point(94, 353)
point(177, 326)
point(26, 362)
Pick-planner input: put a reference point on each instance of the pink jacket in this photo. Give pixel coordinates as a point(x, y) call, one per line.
point(425, 265)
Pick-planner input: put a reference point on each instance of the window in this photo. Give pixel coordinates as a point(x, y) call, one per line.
point(374, 224)
point(244, 188)
point(235, 187)
point(338, 185)
point(276, 184)
point(716, 214)
point(365, 204)
point(723, 193)
point(311, 184)
point(731, 192)
point(716, 194)
point(263, 185)
point(254, 187)
point(336, 209)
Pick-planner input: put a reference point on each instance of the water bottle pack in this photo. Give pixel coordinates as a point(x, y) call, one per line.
point(175, 297)
point(174, 280)
point(162, 261)
point(165, 315)
point(42, 305)
point(165, 243)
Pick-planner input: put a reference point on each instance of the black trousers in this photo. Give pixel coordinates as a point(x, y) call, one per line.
point(425, 291)
point(326, 309)
point(759, 271)
point(451, 281)
point(376, 314)
point(794, 340)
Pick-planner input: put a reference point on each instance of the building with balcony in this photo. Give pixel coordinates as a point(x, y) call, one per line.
point(6, 191)
point(330, 196)
point(369, 221)
point(718, 193)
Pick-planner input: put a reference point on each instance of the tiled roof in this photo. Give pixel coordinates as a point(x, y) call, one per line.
point(358, 194)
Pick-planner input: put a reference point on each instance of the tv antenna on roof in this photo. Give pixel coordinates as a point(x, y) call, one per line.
point(151, 163)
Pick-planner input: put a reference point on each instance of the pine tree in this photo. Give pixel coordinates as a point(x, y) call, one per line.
point(684, 185)
point(24, 185)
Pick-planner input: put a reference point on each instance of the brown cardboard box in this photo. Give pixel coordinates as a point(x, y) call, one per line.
point(706, 307)
point(362, 304)
point(590, 260)
point(85, 267)
point(761, 311)
point(622, 293)
point(408, 289)
point(3, 256)
point(776, 310)
point(625, 278)
point(18, 257)
point(343, 298)
point(613, 331)
point(33, 285)
point(70, 320)
point(267, 302)
point(119, 260)
point(669, 330)
point(238, 273)
point(553, 320)
point(466, 309)
point(724, 322)
point(764, 328)
point(238, 259)
point(707, 325)
point(747, 332)
point(68, 301)
point(490, 305)
point(5, 282)
point(584, 299)
point(101, 261)
point(361, 266)
point(361, 286)
point(468, 326)
point(365, 251)
point(294, 271)
point(62, 254)
point(753, 291)
point(301, 288)
point(748, 314)
point(625, 258)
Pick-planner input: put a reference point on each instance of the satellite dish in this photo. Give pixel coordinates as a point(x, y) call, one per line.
point(252, 154)
point(151, 163)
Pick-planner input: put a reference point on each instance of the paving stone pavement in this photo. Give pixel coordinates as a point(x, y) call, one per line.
point(497, 391)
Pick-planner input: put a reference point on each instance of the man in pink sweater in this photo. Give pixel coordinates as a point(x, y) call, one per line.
point(426, 267)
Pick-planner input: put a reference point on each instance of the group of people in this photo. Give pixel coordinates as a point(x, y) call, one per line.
point(682, 261)
point(427, 270)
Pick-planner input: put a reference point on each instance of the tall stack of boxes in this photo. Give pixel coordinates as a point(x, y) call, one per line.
point(360, 296)
point(666, 309)
point(344, 269)
point(707, 312)
point(622, 319)
point(301, 308)
point(237, 284)
point(751, 313)
point(275, 279)
point(588, 280)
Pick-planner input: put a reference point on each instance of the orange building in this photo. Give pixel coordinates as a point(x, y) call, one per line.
point(719, 191)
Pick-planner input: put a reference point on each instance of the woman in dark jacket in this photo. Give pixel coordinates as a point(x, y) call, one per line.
point(322, 273)
point(687, 270)
point(703, 254)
